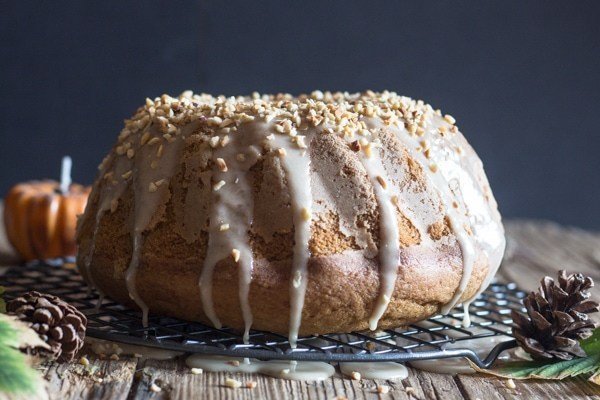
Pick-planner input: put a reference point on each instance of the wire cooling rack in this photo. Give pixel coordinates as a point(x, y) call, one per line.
point(441, 336)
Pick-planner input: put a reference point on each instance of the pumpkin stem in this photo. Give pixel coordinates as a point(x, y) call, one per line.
point(65, 174)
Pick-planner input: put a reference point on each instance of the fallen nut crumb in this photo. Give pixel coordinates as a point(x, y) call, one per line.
point(197, 371)
point(510, 383)
point(84, 361)
point(409, 390)
point(114, 357)
point(382, 389)
point(235, 363)
point(232, 383)
point(251, 384)
point(355, 375)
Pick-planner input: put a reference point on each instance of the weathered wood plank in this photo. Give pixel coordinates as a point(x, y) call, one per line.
point(481, 387)
point(538, 248)
point(176, 381)
point(102, 379)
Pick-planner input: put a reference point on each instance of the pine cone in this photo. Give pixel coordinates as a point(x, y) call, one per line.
point(558, 318)
point(57, 322)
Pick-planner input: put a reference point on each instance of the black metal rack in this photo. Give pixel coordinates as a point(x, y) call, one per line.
point(438, 337)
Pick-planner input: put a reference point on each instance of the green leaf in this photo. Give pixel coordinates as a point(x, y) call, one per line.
point(17, 377)
point(542, 370)
point(591, 345)
point(553, 370)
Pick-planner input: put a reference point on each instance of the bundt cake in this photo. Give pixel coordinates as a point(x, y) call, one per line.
point(328, 212)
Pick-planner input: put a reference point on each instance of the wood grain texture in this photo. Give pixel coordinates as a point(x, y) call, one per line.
point(534, 249)
point(99, 380)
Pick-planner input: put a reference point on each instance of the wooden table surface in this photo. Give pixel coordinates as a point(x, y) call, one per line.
point(534, 249)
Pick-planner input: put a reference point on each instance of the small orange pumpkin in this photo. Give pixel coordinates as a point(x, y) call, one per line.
point(40, 219)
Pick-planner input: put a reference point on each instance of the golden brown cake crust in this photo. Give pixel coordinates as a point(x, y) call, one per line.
point(343, 269)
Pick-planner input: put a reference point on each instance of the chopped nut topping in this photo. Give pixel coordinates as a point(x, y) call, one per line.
point(152, 187)
point(235, 253)
point(305, 214)
point(214, 141)
point(153, 141)
point(382, 182)
point(221, 164)
point(241, 157)
point(224, 227)
point(84, 361)
point(449, 119)
point(218, 185)
point(368, 151)
point(297, 281)
point(145, 138)
point(127, 174)
point(300, 142)
point(342, 114)
point(433, 167)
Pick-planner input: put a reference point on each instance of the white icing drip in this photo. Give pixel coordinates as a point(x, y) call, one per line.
point(232, 207)
point(110, 192)
point(296, 164)
point(375, 370)
point(131, 274)
point(99, 302)
point(389, 236)
point(151, 189)
point(450, 167)
point(293, 370)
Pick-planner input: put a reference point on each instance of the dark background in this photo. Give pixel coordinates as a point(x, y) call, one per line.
point(521, 77)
